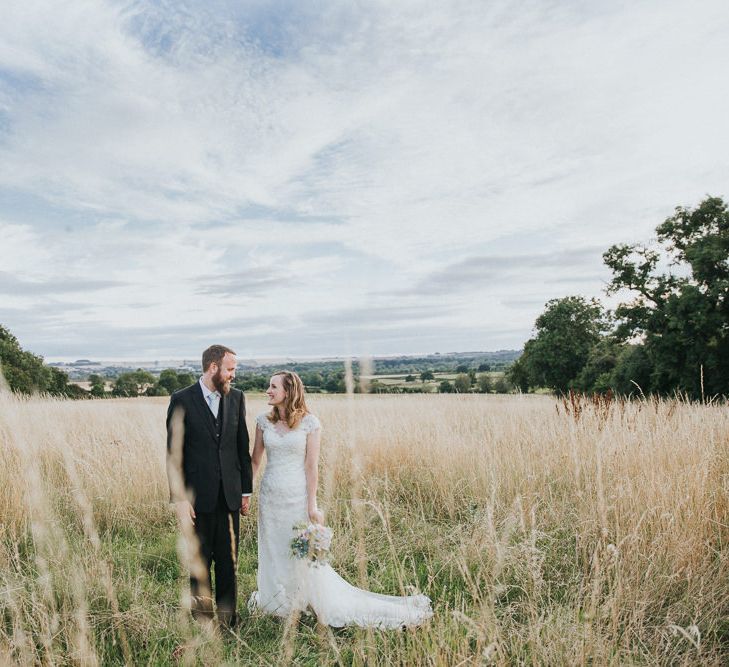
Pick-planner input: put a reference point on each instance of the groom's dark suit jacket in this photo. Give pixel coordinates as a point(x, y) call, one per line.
point(211, 453)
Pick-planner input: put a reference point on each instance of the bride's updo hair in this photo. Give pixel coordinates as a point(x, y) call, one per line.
point(294, 403)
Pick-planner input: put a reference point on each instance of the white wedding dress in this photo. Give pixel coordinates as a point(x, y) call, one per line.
point(286, 583)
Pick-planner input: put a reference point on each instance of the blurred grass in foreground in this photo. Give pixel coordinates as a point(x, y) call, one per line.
point(543, 536)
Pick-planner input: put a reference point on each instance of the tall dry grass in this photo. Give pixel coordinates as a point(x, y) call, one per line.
point(543, 535)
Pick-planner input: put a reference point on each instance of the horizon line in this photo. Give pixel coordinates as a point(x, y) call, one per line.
point(271, 358)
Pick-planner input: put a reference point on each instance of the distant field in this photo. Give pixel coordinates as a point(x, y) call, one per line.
point(545, 534)
point(398, 379)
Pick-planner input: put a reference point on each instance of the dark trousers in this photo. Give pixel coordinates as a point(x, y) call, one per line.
point(217, 533)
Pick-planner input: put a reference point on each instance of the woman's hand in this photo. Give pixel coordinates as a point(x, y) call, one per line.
point(316, 516)
point(185, 514)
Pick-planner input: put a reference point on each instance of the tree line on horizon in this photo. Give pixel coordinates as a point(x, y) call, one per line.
point(671, 334)
point(26, 373)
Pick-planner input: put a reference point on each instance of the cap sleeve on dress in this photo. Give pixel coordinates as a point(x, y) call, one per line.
point(311, 423)
point(262, 421)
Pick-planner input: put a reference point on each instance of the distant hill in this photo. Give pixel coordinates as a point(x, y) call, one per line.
point(438, 362)
point(443, 362)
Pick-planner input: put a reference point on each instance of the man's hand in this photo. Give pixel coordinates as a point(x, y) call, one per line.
point(185, 513)
point(245, 504)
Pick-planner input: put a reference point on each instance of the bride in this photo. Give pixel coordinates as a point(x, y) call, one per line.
point(290, 436)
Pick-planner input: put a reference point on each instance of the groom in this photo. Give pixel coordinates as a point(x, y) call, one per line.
point(210, 478)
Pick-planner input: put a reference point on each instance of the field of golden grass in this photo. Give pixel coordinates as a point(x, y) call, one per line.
point(544, 533)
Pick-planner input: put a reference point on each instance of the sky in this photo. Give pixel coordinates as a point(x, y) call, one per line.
point(316, 178)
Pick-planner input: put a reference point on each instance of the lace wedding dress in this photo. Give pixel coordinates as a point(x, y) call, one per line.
point(286, 583)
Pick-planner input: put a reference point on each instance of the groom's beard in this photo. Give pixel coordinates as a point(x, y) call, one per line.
point(222, 386)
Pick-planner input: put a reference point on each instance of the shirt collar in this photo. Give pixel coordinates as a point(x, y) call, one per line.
point(206, 392)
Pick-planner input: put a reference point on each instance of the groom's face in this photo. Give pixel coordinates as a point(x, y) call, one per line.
point(225, 373)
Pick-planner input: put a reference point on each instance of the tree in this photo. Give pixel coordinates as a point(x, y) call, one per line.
point(334, 384)
point(427, 375)
point(312, 379)
point(26, 373)
point(462, 368)
point(125, 385)
point(23, 371)
point(484, 367)
point(410, 378)
point(484, 383)
point(462, 383)
point(632, 372)
point(596, 375)
point(251, 382)
point(133, 383)
point(518, 375)
point(72, 390)
point(446, 387)
point(566, 332)
point(169, 381)
point(682, 318)
point(144, 379)
point(58, 384)
point(98, 386)
point(501, 386)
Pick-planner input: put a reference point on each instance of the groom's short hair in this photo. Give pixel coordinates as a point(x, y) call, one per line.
point(214, 355)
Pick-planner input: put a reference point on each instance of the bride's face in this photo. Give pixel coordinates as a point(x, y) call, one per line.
point(276, 392)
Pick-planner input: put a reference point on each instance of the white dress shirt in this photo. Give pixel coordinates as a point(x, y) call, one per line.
point(212, 398)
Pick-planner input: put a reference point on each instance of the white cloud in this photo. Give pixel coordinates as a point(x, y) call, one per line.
point(21, 246)
point(343, 163)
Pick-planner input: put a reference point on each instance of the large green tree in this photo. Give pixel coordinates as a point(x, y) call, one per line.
point(26, 373)
point(681, 315)
point(566, 332)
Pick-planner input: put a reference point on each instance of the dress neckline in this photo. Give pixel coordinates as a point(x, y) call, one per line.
point(267, 424)
point(281, 431)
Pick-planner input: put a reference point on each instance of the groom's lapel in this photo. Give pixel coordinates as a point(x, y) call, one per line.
point(201, 405)
point(225, 406)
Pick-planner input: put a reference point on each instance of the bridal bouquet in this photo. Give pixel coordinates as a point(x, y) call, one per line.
point(312, 542)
